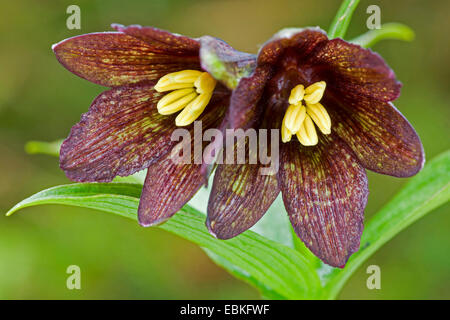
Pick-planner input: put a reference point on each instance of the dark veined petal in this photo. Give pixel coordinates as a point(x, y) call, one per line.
point(348, 69)
point(353, 71)
point(380, 136)
point(167, 188)
point(223, 62)
point(162, 41)
point(114, 58)
point(244, 109)
point(170, 184)
point(325, 192)
point(240, 196)
point(123, 133)
point(302, 41)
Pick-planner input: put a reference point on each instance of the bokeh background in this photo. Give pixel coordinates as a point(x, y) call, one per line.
point(39, 100)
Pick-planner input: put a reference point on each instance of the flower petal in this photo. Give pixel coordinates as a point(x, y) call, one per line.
point(380, 136)
point(240, 196)
point(302, 40)
point(350, 70)
point(113, 58)
point(244, 110)
point(223, 62)
point(123, 133)
point(325, 192)
point(168, 187)
point(162, 41)
point(170, 184)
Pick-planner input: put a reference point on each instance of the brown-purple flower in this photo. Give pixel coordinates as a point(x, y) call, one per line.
point(304, 81)
point(335, 97)
point(153, 74)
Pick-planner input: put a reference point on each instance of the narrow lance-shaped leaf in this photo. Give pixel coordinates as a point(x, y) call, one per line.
point(279, 272)
point(423, 193)
point(395, 31)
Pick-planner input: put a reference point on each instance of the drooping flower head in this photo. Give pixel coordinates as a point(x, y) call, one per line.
point(332, 102)
point(330, 99)
point(159, 81)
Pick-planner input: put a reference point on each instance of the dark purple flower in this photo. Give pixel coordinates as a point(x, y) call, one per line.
point(152, 74)
point(336, 98)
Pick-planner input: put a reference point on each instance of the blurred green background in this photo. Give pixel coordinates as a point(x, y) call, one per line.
point(39, 100)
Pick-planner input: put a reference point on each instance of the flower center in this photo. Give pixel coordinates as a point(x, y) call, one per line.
point(299, 118)
point(191, 91)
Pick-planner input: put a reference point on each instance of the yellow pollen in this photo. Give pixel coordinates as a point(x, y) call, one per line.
point(191, 92)
point(300, 117)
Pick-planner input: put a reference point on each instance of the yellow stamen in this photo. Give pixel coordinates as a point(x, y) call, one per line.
point(192, 92)
point(320, 117)
point(193, 110)
point(189, 76)
point(205, 83)
point(300, 120)
point(286, 135)
point(294, 117)
point(297, 94)
point(177, 80)
point(314, 92)
point(175, 101)
point(307, 134)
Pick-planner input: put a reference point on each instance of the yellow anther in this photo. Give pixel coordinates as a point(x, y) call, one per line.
point(175, 101)
point(320, 117)
point(307, 134)
point(192, 92)
point(294, 117)
point(205, 83)
point(300, 120)
point(177, 80)
point(285, 134)
point(314, 92)
point(162, 87)
point(189, 76)
point(297, 94)
point(193, 110)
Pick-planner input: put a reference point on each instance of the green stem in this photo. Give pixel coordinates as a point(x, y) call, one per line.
point(41, 147)
point(342, 19)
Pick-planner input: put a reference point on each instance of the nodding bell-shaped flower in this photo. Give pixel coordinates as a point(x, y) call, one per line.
point(334, 96)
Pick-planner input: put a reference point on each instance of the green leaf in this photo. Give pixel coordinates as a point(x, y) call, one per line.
point(138, 177)
point(426, 191)
point(342, 19)
point(395, 31)
point(278, 271)
point(119, 198)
